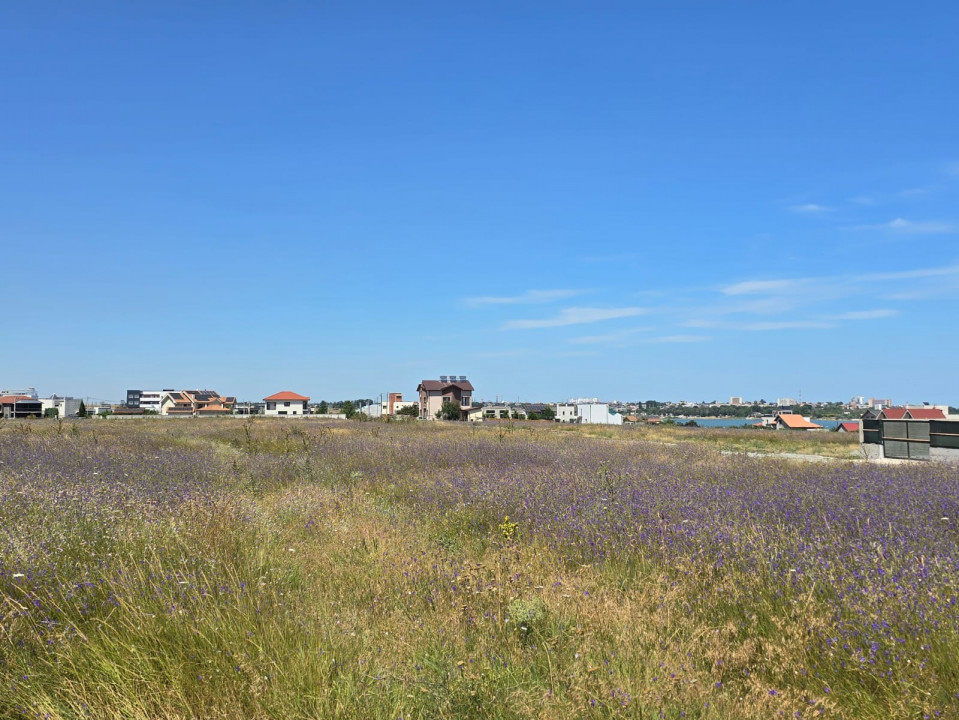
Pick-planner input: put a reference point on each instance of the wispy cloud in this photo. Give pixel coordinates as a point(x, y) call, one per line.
point(866, 314)
point(867, 200)
point(530, 297)
point(810, 209)
point(576, 316)
point(911, 227)
point(762, 287)
point(680, 339)
point(608, 338)
point(788, 325)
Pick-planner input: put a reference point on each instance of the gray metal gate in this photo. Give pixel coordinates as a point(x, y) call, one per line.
point(905, 439)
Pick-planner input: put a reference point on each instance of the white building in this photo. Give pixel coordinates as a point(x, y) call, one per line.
point(65, 406)
point(286, 403)
point(566, 413)
point(598, 414)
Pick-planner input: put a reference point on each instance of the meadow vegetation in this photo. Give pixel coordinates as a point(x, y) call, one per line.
point(230, 568)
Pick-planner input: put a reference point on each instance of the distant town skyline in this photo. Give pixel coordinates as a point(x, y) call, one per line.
point(639, 201)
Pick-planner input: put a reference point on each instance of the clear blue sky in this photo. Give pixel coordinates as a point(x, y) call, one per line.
point(685, 200)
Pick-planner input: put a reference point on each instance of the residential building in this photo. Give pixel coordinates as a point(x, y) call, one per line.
point(735, 401)
point(449, 388)
point(16, 407)
point(189, 403)
point(848, 427)
point(65, 406)
point(791, 421)
point(286, 403)
point(597, 414)
point(30, 393)
point(392, 405)
point(151, 400)
point(566, 413)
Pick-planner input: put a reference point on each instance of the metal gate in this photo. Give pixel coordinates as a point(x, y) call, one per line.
point(905, 439)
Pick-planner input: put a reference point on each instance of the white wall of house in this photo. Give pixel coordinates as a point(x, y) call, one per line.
point(282, 408)
point(598, 414)
point(151, 400)
point(433, 404)
point(566, 413)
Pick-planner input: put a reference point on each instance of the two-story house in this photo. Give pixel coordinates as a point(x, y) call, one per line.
point(449, 388)
point(286, 403)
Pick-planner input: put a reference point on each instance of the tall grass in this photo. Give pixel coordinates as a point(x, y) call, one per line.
point(229, 569)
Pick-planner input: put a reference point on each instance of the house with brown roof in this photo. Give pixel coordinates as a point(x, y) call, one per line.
point(791, 421)
point(190, 403)
point(286, 403)
point(20, 406)
point(449, 388)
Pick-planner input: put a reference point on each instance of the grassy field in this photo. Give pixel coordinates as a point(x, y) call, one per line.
point(266, 569)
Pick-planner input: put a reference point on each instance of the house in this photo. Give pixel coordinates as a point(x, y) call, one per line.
point(65, 406)
point(434, 393)
point(925, 413)
point(391, 406)
point(791, 421)
point(847, 427)
point(286, 403)
point(150, 400)
point(13, 407)
point(897, 413)
point(597, 414)
point(190, 403)
point(498, 412)
point(566, 413)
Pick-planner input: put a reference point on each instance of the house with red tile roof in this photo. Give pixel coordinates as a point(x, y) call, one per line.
point(847, 427)
point(190, 403)
point(895, 413)
point(286, 403)
point(20, 406)
point(791, 421)
point(925, 413)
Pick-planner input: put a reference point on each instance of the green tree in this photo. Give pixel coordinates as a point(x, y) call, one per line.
point(323, 409)
point(348, 409)
point(451, 410)
point(51, 413)
point(548, 413)
point(409, 411)
point(82, 410)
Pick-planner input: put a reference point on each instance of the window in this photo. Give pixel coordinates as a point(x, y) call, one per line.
point(286, 404)
point(271, 406)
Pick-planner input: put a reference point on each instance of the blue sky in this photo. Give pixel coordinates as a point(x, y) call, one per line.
point(682, 200)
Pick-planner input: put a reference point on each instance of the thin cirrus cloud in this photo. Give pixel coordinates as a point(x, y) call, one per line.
point(530, 297)
point(576, 316)
point(866, 314)
point(810, 209)
point(608, 338)
point(680, 339)
point(912, 227)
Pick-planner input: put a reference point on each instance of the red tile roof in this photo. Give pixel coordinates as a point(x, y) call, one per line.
point(926, 414)
point(796, 422)
point(893, 414)
point(11, 399)
point(849, 426)
point(286, 395)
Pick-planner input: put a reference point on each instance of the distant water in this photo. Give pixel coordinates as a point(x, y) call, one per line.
point(739, 422)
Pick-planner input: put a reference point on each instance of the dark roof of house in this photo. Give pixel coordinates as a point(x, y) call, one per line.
point(431, 385)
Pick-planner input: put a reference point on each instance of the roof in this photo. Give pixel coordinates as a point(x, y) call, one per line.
point(430, 385)
point(893, 414)
point(797, 422)
point(848, 426)
point(11, 399)
point(214, 408)
point(286, 395)
point(926, 414)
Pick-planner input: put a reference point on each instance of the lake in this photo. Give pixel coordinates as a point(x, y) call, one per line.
point(739, 422)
